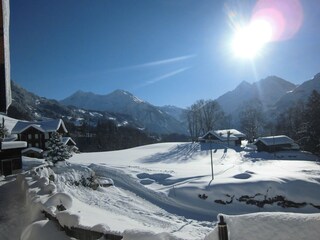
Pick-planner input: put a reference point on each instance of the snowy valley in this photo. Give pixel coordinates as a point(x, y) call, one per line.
point(165, 191)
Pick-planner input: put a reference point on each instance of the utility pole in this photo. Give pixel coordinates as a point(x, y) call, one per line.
point(210, 140)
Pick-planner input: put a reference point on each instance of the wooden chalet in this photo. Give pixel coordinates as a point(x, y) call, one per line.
point(37, 134)
point(275, 144)
point(231, 137)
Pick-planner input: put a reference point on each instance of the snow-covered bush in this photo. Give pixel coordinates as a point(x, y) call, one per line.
point(57, 151)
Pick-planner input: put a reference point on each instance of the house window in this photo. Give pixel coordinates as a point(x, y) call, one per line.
point(36, 136)
point(46, 135)
point(37, 145)
point(29, 136)
point(29, 145)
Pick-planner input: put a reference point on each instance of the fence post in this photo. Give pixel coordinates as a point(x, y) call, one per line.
point(222, 228)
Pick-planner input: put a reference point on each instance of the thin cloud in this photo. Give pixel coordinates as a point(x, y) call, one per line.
point(155, 63)
point(167, 75)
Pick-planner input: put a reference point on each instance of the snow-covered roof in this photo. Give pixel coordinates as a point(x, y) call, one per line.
point(65, 140)
point(12, 145)
point(43, 126)
point(233, 132)
point(275, 140)
point(34, 149)
point(222, 135)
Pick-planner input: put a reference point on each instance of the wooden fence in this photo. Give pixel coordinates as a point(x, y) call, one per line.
point(82, 234)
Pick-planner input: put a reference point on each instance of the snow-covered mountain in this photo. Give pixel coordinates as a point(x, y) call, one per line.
point(176, 112)
point(152, 118)
point(268, 91)
point(28, 106)
point(300, 93)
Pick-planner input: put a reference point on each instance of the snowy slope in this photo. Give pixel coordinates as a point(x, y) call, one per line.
point(164, 191)
point(166, 179)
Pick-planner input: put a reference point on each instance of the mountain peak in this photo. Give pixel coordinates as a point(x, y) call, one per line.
point(125, 94)
point(316, 77)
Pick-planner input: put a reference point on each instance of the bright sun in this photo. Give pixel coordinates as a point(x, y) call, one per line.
point(249, 41)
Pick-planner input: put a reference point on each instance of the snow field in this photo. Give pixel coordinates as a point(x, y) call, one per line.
point(158, 193)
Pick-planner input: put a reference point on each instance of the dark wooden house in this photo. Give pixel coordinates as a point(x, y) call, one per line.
point(10, 157)
point(231, 137)
point(37, 134)
point(275, 144)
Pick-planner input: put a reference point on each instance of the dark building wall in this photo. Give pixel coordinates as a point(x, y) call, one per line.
point(33, 137)
point(10, 160)
point(261, 147)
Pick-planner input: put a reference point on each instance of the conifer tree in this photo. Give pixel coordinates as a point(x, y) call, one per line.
point(313, 122)
point(57, 151)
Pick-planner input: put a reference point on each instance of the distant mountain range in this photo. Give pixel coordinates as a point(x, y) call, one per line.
point(275, 95)
point(28, 106)
point(119, 106)
point(268, 91)
point(152, 118)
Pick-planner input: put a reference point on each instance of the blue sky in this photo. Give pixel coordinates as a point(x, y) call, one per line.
point(163, 51)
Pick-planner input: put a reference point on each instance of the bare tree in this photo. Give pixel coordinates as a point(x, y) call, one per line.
point(203, 116)
point(251, 119)
point(194, 120)
point(211, 114)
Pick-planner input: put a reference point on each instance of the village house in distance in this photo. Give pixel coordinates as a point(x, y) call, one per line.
point(275, 144)
point(37, 134)
point(230, 137)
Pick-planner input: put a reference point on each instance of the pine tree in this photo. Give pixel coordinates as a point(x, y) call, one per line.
point(313, 122)
point(57, 151)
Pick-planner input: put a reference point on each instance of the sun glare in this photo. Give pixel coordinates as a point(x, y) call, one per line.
point(250, 40)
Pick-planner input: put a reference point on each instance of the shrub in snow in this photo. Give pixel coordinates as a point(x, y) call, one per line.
point(105, 182)
point(51, 177)
point(57, 151)
point(88, 181)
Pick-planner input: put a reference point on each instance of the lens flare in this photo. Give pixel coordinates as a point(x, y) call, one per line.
point(271, 20)
point(285, 16)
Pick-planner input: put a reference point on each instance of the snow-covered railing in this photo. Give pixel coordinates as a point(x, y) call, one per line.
point(80, 233)
point(43, 198)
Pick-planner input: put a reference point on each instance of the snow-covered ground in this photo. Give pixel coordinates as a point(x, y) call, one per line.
point(166, 191)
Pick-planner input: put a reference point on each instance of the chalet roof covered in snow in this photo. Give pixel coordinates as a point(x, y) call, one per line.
point(222, 135)
point(43, 126)
point(275, 140)
point(65, 140)
point(33, 149)
point(233, 132)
